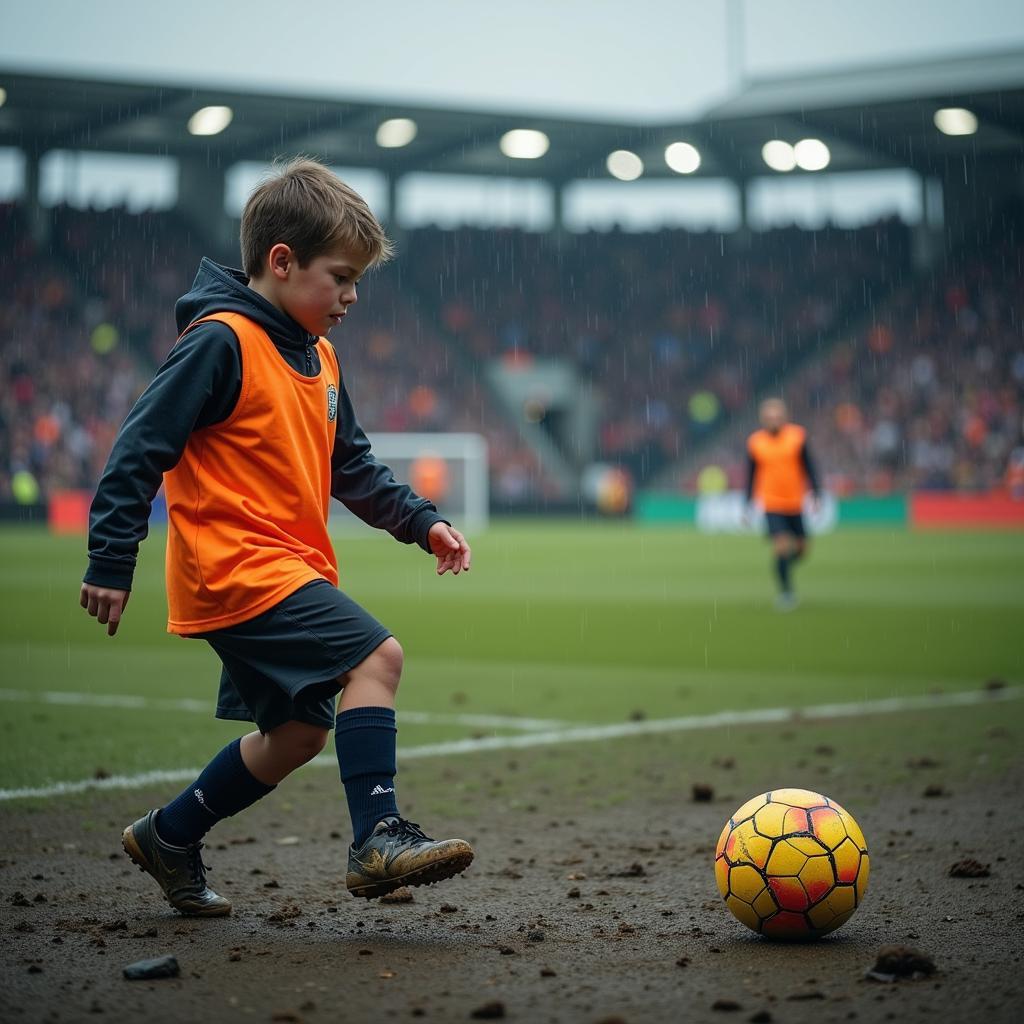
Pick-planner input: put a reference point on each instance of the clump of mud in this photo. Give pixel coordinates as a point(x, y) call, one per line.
point(896, 962)
point(969, 868)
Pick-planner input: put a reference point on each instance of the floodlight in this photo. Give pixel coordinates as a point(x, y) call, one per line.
point(210, 120)
point(396, 132)
point(955, 121)
point(682, 157)
point(811, 155)
point(3, 96)
point(624, 165)
point(524, 144)
point(778, 155)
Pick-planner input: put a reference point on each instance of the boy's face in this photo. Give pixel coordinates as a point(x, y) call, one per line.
point(318, 295)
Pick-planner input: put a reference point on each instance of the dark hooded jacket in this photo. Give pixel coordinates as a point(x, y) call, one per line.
point(198, 386)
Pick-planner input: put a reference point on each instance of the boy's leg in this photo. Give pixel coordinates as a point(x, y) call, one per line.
point(388, 851)
point(245, 771)
point(365, 737)
point(166, 842)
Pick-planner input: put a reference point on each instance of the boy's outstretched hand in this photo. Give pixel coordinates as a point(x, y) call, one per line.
point(450, 548)
point(104, 604)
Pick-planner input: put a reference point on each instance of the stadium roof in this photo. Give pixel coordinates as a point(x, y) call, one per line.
point(870, 118)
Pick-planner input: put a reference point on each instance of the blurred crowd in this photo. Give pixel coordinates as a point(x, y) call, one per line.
point(931, 395)
point(675, 331)
point(86, 319)
point(82, 321)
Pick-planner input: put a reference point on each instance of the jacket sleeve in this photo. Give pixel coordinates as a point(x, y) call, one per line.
point(368, 488)
point(198, 385)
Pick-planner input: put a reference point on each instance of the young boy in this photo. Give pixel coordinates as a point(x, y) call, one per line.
point(249, 426)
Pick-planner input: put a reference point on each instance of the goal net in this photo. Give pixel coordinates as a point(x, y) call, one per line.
point(450, 469)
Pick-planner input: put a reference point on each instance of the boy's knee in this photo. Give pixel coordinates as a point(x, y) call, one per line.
point(388, 661)
point(383, 666)
point(388, 658)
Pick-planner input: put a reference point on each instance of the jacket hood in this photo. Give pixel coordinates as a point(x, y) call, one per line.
point(219, 289)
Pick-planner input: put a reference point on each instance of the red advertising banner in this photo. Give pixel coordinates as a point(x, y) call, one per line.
point(69, 512)
point(966, 511)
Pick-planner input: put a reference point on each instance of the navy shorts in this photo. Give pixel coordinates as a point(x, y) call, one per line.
point(781, 522)
point(283, 665)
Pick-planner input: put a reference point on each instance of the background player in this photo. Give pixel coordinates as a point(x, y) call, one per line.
point(779, 474)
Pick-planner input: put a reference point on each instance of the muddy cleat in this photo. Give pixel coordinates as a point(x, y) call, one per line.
point(398, 853)
point(179, 870)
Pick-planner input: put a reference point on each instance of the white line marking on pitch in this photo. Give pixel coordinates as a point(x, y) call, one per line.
point(137, 703)
point(581, 734)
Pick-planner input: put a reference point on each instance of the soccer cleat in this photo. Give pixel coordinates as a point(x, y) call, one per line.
point(787, 601)
point(178, 870)
point(398, 853)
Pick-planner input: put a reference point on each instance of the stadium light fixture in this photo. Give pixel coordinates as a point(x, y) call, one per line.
point(210, 120)
point(3, 95)
point(624, 165)
point(955, 121)
point(396, 132)
point(811, 155)
point(524, 144)
point(682, 157)
point(778, 155)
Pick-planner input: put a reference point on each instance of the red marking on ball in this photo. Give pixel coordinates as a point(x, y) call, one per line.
point(789, 893)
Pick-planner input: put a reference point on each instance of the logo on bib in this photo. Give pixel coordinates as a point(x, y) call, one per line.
point(332, 403)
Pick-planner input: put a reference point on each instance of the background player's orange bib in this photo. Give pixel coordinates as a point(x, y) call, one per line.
point(780, 479)
point(247, 504)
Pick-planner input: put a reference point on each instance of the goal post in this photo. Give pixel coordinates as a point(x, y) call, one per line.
point(450, 469)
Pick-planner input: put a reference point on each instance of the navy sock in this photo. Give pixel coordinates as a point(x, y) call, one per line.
point(782, 563)
point(365, 739)
point(224, 787)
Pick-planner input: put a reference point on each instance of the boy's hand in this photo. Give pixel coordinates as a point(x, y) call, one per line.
point(105, 604)
point(450, 548)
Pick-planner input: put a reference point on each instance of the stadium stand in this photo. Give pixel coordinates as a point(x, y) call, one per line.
point(678, 331)
point(929, 393)
point(85, 321)
point(675, 328)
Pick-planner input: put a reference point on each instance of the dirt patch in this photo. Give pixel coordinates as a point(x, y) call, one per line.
point(569, 913)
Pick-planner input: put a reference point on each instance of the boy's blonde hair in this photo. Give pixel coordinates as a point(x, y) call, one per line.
point(312, 211)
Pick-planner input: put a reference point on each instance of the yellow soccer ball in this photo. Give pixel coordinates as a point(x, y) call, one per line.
point(792, 865)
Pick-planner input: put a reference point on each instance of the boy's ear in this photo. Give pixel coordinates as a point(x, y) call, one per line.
point(280, 260)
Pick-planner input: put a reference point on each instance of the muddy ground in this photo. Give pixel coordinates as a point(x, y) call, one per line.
point(589, 912)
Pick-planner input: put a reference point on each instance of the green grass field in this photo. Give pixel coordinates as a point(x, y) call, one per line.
point(575, 622)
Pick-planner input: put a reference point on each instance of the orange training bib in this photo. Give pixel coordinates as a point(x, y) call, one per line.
point(247, 503)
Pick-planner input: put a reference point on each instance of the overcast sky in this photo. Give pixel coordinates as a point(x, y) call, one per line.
point(602, 58)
